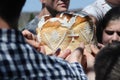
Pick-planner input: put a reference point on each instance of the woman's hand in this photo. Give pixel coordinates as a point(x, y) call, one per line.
point(32, 40)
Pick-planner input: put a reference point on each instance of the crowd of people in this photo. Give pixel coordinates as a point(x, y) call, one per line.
point(22, 58)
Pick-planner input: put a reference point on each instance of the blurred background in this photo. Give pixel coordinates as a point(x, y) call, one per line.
point(33, 7)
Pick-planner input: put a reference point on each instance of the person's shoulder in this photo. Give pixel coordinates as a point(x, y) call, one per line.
point(93, 7)
point(97, 3)
point(34, 20)
point(97, 9)
point(92, 10)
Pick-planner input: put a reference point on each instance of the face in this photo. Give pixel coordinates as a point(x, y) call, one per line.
point(58, 5)
point(111, 32)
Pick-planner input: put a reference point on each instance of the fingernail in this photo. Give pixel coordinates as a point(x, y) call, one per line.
point(80, 49)
point(57, 51)
point(94, 46)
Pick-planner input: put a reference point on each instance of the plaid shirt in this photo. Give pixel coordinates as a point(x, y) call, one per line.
point(19, 61)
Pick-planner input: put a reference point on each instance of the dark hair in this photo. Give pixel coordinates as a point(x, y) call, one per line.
point(107, 62)
point(10, 11)
point(112, 14)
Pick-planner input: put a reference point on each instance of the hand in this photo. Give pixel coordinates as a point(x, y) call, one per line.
point(71, 57)
point(76, 55)
point(88, 60)
point(63, 54)
point(100, 45)
point(28, 35)
point(32, 40)
point(89, 57)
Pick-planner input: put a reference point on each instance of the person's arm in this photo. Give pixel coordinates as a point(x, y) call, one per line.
point(93, 11)
point(72, 65)
point(90, 58)
point(32, 25)
point(31, 38)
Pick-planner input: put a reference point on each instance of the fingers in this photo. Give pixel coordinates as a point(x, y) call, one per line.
point(57, 52)
point(27, 34)
point(75, 56)
point(80, 50)
point(64, 54)
point(94, 49)
point(100, 45)
point(32, 40)
point(42, 49)
point(37, 46)
point(82, 45)
point(89, 59)
point(79, 53)
point(33, 43)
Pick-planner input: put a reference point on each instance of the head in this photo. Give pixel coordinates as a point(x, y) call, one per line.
point(114, 2)
point(56, 5)
point(10, 11)
point(108, 29)
point(107, 62)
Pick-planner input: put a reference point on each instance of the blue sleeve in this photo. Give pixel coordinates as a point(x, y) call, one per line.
point(32, 25)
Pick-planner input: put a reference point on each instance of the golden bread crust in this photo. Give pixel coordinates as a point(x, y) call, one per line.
point(65, 31)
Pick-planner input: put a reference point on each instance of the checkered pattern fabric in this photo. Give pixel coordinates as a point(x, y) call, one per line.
point(19, 61)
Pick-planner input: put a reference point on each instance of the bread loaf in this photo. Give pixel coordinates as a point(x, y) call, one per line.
point(65, 31)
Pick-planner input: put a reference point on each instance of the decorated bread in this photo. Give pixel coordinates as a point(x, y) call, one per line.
point(65, 31)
